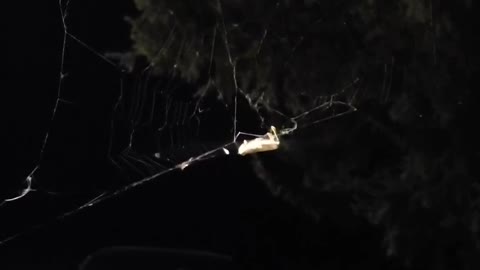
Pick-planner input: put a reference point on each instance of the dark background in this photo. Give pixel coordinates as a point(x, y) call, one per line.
point(391, 186)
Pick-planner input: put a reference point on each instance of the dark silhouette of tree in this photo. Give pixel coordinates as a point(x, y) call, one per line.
point(405, 161)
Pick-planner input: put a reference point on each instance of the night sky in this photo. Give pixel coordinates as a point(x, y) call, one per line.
point(375, 104)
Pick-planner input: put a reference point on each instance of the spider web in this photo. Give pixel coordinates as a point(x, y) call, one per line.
point(182, 104)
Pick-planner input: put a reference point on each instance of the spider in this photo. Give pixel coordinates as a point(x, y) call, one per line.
point(267, 142)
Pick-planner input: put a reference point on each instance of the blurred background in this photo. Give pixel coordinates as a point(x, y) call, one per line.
point(382, 173)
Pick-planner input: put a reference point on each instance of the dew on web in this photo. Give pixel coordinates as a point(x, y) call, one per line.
point(186, 92)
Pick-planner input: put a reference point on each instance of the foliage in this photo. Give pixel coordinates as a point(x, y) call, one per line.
point(405, 160)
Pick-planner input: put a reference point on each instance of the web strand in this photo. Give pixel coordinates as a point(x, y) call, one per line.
point(176, 115)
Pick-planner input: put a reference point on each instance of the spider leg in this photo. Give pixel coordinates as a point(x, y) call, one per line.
point(247, 134)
